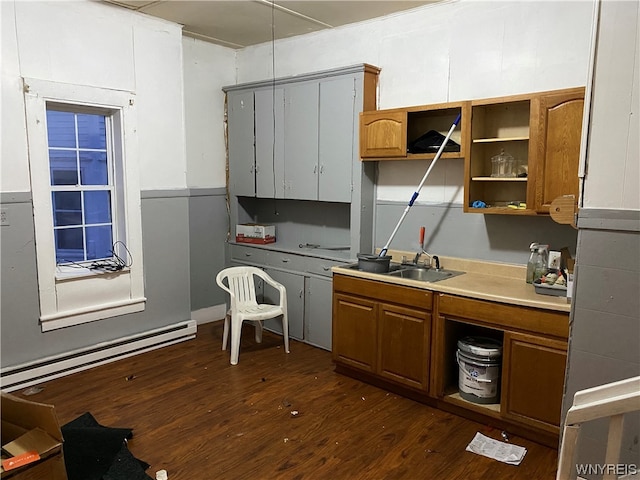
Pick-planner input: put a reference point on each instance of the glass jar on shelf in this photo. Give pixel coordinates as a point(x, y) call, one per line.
point(502, 165)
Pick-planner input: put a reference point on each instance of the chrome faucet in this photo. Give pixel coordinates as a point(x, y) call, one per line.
point(432, 258)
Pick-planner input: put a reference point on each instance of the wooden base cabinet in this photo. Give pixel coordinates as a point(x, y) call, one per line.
point(533, 379)
point(404, 339)
point(532, 367)
point(383, 330)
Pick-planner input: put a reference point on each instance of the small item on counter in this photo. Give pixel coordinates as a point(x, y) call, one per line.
point(555, 258)
point(531, 264)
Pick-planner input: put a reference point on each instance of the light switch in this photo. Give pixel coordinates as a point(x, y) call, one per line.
point(4, 217)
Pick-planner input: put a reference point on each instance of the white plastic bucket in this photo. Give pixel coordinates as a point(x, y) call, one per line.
point(479, 361)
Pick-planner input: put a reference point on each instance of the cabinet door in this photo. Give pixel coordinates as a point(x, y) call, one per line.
point(269, 132)
point(294, 283)
point(533, 380)
point(557, 155)
point(301, 140)
point(354, 332)
point(404, 345)
point(317, 324)
point(241, 147)
point(383, 134)
point(336, 137)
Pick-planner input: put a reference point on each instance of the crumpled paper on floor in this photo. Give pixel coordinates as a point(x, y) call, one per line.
point(501, 451)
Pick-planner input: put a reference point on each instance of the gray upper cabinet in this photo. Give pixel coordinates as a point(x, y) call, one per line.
point(241, 143)
point(294, 138)
point(269, 137)
point(301, 107)
point(336, 140)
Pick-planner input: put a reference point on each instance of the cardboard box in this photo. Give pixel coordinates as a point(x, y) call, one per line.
point(31, 427)
point(255, 233)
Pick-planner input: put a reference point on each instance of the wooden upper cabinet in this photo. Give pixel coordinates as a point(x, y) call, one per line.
point(556, 142)
point(383, 134)
point(389, 134)
point(541, 133)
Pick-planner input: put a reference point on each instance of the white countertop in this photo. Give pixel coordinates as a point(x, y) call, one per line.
point(496, 282)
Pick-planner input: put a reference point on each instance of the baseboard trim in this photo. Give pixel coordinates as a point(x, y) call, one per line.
point(39, 371)
point(209, 314)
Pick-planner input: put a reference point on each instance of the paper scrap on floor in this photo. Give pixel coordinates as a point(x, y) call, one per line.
point(501, 451)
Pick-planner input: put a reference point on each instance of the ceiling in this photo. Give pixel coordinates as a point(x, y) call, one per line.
point(240, 23)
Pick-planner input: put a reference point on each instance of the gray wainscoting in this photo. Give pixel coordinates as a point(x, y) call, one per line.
point(165, 230)
point(208, 226)
point(605, 321)
point(451, 232)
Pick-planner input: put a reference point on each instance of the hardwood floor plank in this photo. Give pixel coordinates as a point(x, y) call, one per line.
point(198, 417)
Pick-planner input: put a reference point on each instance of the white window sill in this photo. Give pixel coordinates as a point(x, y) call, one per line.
point(90, 314)
point(70, 273)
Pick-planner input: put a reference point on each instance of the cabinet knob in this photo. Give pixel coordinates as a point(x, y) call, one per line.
point(285, 260)
point(247, 254)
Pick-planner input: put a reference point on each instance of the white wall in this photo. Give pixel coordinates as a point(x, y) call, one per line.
point(449, 51)
point(99, 45)
point(207, 68)
point(613, 156)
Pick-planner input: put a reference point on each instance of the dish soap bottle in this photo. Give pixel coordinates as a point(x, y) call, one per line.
point(531, 264)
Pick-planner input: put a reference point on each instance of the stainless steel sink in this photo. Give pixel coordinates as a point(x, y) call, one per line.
point(424, 274)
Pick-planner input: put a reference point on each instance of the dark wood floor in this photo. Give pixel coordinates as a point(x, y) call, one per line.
point(198, 417)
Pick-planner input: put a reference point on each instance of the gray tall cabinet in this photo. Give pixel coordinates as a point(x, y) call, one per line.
point(294, 163)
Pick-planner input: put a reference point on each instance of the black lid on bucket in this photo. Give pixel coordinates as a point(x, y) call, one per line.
point(481, 346)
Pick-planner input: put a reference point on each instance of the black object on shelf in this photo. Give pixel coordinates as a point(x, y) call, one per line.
point(430, 143)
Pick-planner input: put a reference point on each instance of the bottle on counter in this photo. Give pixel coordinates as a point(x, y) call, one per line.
point(531, 264)
point(538, 260)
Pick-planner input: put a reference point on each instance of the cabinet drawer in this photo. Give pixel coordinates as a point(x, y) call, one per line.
point(384, 292)
point(287, 261)
point(320, 266)
point(545, 322)
point(252, 255)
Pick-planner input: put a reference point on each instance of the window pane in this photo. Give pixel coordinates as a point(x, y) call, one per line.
point(97, 207)
point(99, 243)
point(93, 168)
point(63, 166)
point(69, 245)
point(67, 208)
point(61, 129)
point(91, 131)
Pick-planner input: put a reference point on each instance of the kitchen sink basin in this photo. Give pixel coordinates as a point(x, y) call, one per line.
point(424, 274)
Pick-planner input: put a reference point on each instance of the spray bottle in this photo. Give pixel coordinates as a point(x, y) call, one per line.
point(531, 264)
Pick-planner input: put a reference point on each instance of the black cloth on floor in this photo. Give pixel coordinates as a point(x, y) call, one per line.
point(92, 451)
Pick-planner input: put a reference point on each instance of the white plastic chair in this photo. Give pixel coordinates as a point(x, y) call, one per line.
point(241, 288)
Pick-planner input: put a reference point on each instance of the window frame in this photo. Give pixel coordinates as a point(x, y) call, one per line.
point(116, 189)
point(71, 296)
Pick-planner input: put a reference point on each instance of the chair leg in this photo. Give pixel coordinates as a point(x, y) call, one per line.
point(285, 331)
point(236, 330)
point(225, 331)
point(258, 332)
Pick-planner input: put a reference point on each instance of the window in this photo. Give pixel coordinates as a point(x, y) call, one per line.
point(82, 192)
point(86, 202)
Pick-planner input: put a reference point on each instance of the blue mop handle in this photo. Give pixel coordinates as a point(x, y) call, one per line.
point(384, 250)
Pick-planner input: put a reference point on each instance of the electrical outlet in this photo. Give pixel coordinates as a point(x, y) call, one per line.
point(4, 217)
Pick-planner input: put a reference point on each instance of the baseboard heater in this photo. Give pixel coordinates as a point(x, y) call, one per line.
point(39, 371)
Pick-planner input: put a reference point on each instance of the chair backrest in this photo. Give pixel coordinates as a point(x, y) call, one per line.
point(611, 401)
point(241, 285)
